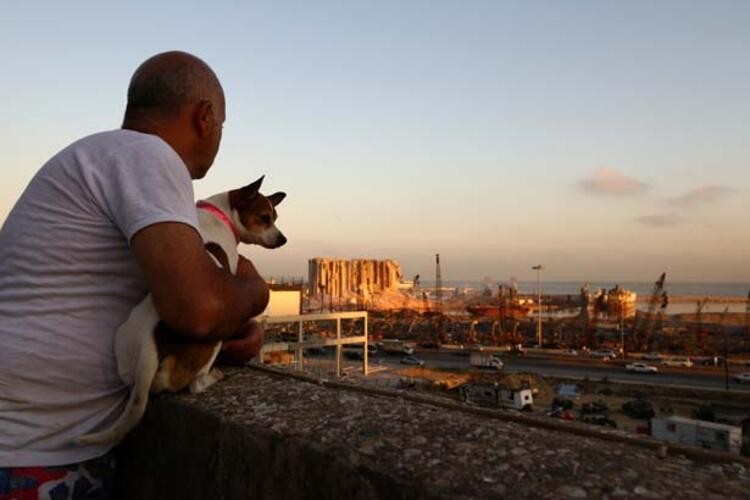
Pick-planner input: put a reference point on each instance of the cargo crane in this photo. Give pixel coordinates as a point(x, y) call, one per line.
point(592, 326)
point(588, 319)
point(440, 334)
point(700, 341)
point(583, 319)
point(497, 326)
point(643, 332)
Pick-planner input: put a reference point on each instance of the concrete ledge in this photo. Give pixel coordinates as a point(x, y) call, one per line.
point(182, 452)
point(263, 435)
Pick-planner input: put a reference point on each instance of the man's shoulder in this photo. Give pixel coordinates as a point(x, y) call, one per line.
point(122, 141)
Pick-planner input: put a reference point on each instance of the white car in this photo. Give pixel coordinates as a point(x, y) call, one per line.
point(412, 360)
point(652, 356)
point(683, 362)
point(742, 378)
point(604, 354)
point(641, 368)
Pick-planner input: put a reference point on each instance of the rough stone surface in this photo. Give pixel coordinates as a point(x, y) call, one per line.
point(259, 435)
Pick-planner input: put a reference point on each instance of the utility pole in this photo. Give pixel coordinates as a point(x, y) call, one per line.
point(538, 268)
point(438, 285)
point(622, 335)
point(726, 349)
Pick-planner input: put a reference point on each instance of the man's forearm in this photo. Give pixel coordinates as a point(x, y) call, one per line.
point(220, 309)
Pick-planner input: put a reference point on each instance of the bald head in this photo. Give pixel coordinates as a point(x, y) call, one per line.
point(166, 82)
point(177, 97)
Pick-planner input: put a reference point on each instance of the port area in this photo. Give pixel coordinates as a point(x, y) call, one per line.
point(567, 387)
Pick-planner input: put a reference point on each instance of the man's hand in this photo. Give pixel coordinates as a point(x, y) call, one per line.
point(244, 346)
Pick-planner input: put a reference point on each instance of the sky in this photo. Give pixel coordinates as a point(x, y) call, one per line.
point(604, 140)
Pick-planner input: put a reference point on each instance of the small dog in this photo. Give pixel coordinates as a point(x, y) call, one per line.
point(150, 357)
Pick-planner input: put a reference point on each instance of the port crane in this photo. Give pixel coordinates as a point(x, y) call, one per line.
point(642, 333)
point(700, 340)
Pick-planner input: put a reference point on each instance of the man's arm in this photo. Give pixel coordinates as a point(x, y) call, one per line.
point(191, 294)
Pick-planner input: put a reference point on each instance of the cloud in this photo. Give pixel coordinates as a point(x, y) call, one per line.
point(608, 181)
point(702, 195)
point(660, 220)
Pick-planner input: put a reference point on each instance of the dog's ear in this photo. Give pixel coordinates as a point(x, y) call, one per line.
point(251, 190)
point(276, 198)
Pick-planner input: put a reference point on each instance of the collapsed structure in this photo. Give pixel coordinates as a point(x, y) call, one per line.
point(352, 278)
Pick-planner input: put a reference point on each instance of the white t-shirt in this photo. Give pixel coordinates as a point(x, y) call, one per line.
point(68, 279)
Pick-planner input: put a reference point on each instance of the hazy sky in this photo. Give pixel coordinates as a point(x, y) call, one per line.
point(605, 140)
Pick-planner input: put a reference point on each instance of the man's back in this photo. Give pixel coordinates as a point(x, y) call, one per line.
point(68, 279)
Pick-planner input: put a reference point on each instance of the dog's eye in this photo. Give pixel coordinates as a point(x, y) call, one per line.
point(265, 219)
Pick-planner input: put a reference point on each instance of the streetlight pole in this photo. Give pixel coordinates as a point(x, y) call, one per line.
point(538, 268)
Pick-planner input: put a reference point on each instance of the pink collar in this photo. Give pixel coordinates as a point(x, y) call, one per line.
point(219, 214)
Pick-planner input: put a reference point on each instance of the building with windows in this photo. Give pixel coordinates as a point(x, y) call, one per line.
point(711, 435)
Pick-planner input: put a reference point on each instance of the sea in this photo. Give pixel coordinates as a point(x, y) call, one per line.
point(642, 288)
point(726, 296)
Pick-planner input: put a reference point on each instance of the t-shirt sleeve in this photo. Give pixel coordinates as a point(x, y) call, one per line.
point(145, 183)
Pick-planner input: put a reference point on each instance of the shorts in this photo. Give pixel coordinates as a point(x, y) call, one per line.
point(90, 480)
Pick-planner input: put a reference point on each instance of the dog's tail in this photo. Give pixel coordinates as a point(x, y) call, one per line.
point(145, 370)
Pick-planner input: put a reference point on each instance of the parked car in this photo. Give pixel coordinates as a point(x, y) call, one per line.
point(713, 361)
point(599, 419)
point(682, 362)
point(516, 350)
point(562, 414)
point(652, 356)
point(356, 354)
point(594, 407)
point(705, 412)
point(641, 368)
point(412, 360)
point(604, 354)
point(562, 403)
point(638, 408)
point(742, 378)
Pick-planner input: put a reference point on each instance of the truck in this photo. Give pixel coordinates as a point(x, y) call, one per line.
point(479, 359)
point(497, 395)
point(394, 346)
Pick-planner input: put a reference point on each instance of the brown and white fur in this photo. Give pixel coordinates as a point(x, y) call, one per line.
point(150, 357)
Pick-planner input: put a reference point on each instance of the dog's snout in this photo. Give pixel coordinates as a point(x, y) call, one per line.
point(281, 241)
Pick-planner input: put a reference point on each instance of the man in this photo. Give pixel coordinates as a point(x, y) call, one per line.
point(106, 220)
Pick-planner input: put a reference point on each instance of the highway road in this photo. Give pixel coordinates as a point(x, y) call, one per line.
point(580, 368)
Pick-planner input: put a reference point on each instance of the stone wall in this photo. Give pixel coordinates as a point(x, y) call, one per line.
point(260, 434)
point(359, 278)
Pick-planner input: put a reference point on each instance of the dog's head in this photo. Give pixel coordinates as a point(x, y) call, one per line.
point(255, 215)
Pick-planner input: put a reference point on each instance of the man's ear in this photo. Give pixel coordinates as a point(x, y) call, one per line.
point(205, 119)
point(276, 198)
